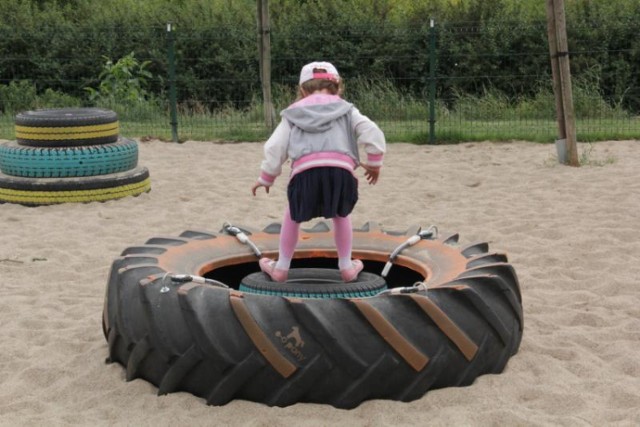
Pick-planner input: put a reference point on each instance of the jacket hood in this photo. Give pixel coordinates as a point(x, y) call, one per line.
point(316, 118)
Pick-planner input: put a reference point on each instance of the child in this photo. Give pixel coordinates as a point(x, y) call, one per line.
point(320, 133)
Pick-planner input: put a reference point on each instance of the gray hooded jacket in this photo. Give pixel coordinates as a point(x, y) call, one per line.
point(321, 128)
point(321, 124)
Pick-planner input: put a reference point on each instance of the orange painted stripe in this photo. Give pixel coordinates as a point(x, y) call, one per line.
point(414, 357)
point(446, 325)
point(259, 338)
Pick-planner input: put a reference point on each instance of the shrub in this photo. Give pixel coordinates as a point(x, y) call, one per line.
point(23, 95)
point(122, 88)
point(17, 96)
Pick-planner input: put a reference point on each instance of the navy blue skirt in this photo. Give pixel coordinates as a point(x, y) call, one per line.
point(322, 192)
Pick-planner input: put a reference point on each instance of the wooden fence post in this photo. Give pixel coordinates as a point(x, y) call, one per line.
point(432, 82)
point(264, 48)
point(173, 103)
point(561, 73)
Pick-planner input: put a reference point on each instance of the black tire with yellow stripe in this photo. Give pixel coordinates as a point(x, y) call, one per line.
point(465, 320)
point(48, 191)
point(65, 127)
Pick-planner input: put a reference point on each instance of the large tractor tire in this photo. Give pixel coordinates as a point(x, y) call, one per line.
point(452, 313)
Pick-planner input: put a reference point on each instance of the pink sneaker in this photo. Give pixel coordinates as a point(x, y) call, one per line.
point(351, 274)
point(268, 266)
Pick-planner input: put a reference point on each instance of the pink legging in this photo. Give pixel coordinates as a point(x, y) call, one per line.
point(342, 234)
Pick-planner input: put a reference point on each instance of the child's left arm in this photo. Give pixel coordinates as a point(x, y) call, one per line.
point(371, 173)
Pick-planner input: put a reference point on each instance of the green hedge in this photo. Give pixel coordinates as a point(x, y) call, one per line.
point(60, 45)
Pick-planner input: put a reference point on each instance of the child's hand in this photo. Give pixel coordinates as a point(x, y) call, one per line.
point(371, 173)
point(258, 185)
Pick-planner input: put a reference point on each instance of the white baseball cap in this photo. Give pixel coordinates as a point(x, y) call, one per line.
point(324, 70)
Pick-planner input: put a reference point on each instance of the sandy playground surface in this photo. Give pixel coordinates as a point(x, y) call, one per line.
point(572, 234)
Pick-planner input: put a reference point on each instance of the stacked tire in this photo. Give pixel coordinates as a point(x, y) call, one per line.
point(69, 155)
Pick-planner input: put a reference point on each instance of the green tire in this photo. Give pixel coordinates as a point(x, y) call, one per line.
point(314, 283)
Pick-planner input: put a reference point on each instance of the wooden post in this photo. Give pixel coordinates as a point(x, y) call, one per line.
point(173, 103)
point(561, 73)
point(555, 68)
point(264, 49)
point(432, 81)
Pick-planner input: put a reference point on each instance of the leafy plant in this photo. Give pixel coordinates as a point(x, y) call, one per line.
point(122, 88)
point(122, 82)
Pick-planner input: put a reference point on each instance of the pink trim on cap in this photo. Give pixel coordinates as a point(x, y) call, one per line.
point(326, 76)
point(325, 70)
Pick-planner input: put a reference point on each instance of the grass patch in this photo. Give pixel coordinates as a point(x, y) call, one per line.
point(448, 130)
point(587, 157)
point(402, 116)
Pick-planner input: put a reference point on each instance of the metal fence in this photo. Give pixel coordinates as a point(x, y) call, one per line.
point(427, 106)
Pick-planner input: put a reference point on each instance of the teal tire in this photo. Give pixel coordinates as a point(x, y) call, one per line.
point(314, 283)
point(62, 162)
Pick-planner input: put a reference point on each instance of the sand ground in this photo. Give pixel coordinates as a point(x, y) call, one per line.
point(572, 234)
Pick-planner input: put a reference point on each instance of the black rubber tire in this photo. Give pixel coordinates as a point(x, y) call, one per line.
point(223, 344)
point(314, 283)
point(48, 191)
point(62, 162)
point(66, 127)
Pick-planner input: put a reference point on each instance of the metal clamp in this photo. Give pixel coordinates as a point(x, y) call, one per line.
point(186, 278)
point(430, 232)
point(417, 287)
point(242, 237)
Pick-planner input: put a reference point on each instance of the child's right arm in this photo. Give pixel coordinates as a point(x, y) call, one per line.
point(369, 134)
point(275, 154)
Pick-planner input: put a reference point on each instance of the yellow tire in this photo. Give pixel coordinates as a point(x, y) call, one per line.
point(65, 127)
point(48, 191)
